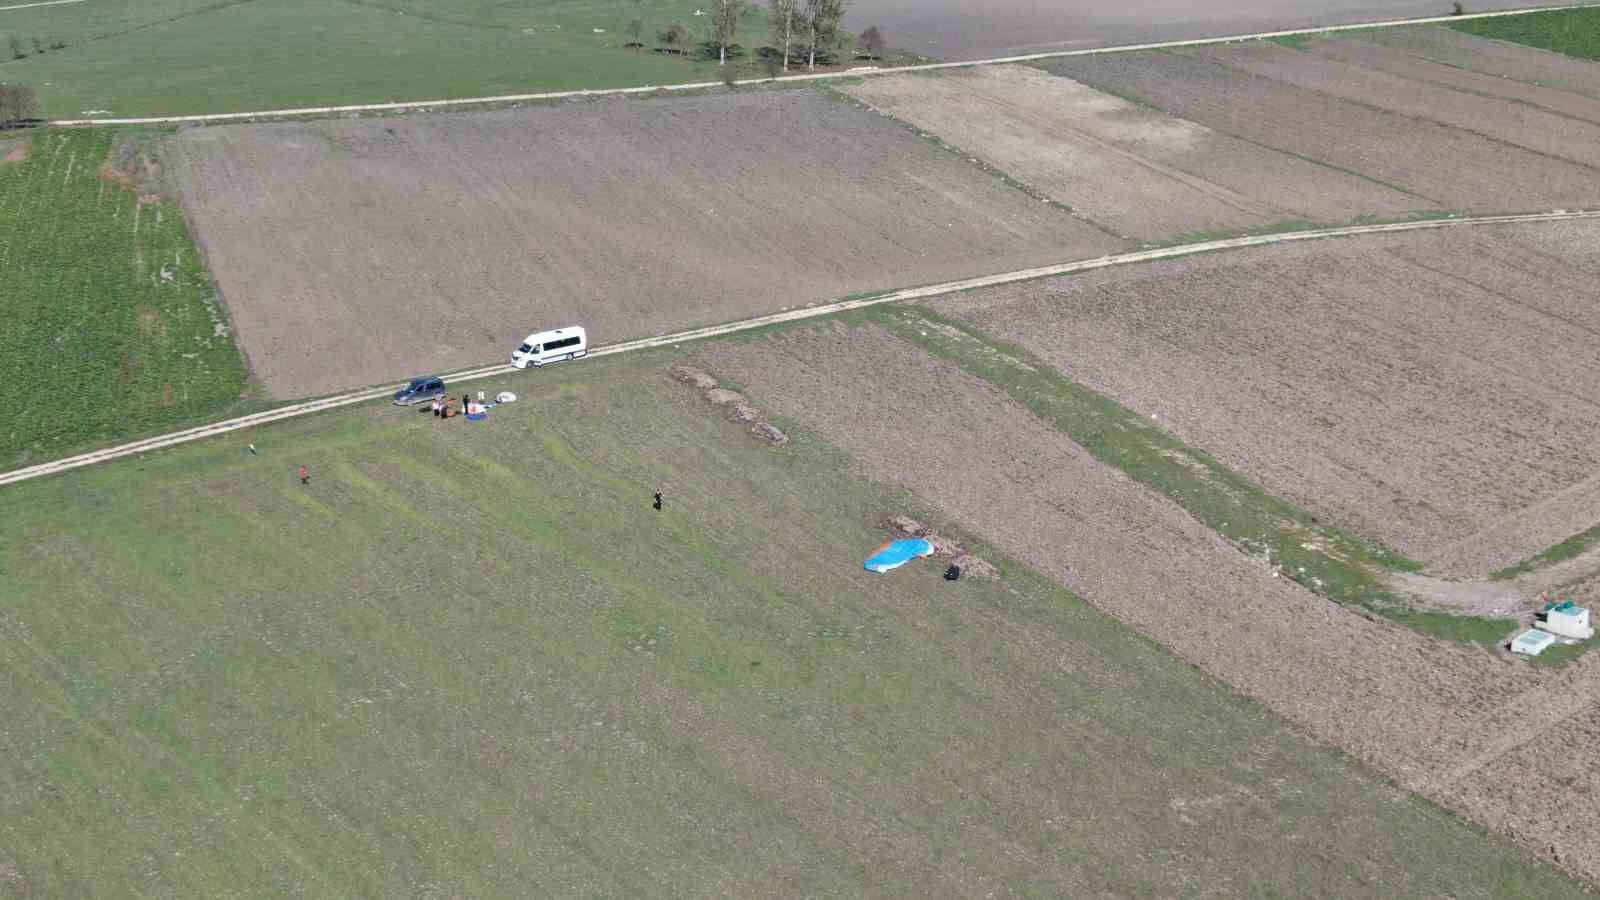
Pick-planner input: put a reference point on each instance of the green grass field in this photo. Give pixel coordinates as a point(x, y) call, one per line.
point(175, 57)
point(1575, 32)
point(469, 660)
point(112, 328)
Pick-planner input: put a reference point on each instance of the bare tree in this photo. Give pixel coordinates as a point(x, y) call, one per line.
point(673, 37)
point(635, 32)
point(16, 48)
point(724, 24)
point(872, 41)
point(16, 103)
point(823, 17)
point(785, 15)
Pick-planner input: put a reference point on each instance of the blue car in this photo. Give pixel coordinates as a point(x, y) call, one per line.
point(420, 390)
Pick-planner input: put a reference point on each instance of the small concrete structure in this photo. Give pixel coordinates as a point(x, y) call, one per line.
point(1532, 642)
point(1567, 619)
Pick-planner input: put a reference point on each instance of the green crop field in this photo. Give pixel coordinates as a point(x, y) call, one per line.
point(1575, 32)
point(468, 659)
point(173, 57)
point(112, 327)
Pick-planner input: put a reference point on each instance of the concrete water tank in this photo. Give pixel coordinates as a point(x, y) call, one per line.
point(1532, 642)
point(1568, 620)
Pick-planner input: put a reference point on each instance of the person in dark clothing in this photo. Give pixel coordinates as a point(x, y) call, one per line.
point(658, 500)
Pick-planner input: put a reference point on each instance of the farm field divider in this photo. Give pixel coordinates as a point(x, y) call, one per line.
point(915, 293)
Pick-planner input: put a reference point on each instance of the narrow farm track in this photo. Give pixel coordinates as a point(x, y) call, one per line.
point(1524, 720)
point(819, 76)
point(908, 294)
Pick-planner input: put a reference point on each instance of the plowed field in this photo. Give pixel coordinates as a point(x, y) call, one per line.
point(1134, 169)
point(361, 251)
point(1419, 389)
point(1497, 58)
point(1441, 143)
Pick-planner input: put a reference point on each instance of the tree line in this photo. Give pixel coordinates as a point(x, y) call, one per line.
point(808, 25)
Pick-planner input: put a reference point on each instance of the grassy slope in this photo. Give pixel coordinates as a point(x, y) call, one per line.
point(186, 57)
point(1342, 566)
point(468, 659)
point(1575, 32)
point(111, 326)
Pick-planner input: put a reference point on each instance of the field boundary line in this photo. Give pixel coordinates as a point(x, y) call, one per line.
point(41, 3)
point(793, 315)
point(859, 72)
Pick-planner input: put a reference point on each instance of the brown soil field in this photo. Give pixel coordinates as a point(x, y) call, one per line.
point(1501, 59)
point(962, 29)
point(1451, 167)
point(354, 252)
point(1368, 52)
point(1514, 122)
point(1133, 169)
point(1418, 389)
point(1434, 716)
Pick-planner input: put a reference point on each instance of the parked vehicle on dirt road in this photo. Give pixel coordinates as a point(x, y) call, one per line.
point(420, 390)
point(551, 346)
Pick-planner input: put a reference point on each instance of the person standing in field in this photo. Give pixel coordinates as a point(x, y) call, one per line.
point(305, 475)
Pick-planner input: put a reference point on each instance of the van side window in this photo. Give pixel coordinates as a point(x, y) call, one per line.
point(558, 345)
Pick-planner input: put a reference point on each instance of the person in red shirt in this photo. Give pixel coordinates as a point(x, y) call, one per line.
point(305, 475)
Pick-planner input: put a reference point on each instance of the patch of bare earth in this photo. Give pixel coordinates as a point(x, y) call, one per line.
point(354, 252)
point(1425, 712)
point(1421, 389)
point(902, 526)
point(1129, 167)
point(733, 403)
point(1451, 167)
point(14, 151)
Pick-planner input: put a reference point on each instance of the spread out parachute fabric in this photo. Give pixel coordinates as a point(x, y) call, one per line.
point(895, 554)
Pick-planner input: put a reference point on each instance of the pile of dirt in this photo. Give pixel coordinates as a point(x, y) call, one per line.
point(134, 164)
point(693, 377)
point(943, 547)
point(732, 402)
